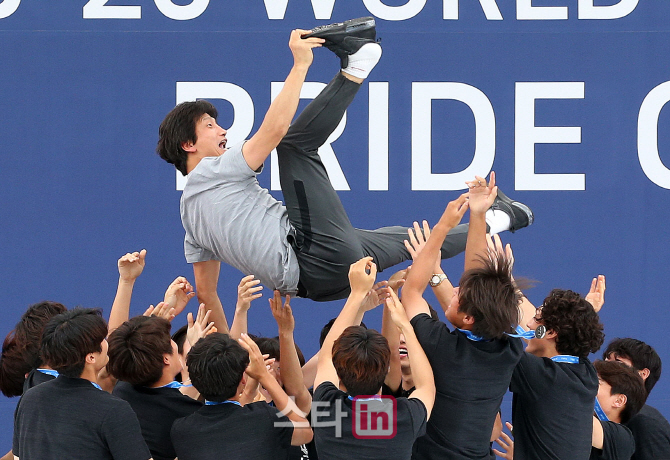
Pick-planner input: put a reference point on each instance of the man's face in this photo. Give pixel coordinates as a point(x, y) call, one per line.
point(211, 137)
point(619, 359)
point(536, 346)
point(101, 358)
point(454, 316)
point(604, 396)
point(404, 359)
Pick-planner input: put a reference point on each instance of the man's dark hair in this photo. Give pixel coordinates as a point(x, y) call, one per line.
point(13, 368)
point(326, 329)
point(361, 358)
point(136, 350)
point(489, 295)
point(31, 326)
point(577, 325)
point(216, 364)
point(179, 127)
point(70, 336)
point(624, 381)
point(270, 346)
point(179, 337)
point(641, 355)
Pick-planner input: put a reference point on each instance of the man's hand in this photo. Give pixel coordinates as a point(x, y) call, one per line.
point(397, 280)
point(302, 47)
point(178, 293)
point(417, 241)
point(131, 265)
point(482, 194)
point(162, 310)
point(397, 311)
point(362, 275)
point(257, 368)
point(200, 327)
point(507, 443)
point(375, 296)
point(282, 314)
point(248, 290)
point(455, 211)
point(596, 295)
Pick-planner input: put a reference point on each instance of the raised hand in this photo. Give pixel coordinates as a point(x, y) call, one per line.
point(302, 47)
point(596, 295)
point(482, 194)
point(178, 293)
point(161, 310)
point(248, 290)
point(397, 280)
point(200, 327)
point(131, 265)
point(375, 296)
point(282, 314)
point(257, 368)
point(455, 211)
point(417, 240)
point(507, 443)
point(362, 275)
point(397, 311)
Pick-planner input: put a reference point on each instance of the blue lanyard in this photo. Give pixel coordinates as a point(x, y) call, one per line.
point(216, 403)
point(174, 384)
point(565, 359)
point(96, 385)
point(600, 413)
point(471, 336)
point(51, 372)
point(522, 334)
point(371, 398)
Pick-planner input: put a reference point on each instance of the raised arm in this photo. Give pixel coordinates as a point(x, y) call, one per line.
point(248, 290)
point(422, 373)
point(482, 196)
point(361, 278)
point(291, 373)
point(280, 114)
point(206, 281)
point(422, 269)
point(130, 267)
point(178, 293)
point(596, 295)
point(393, 379)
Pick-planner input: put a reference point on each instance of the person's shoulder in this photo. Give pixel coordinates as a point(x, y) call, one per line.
point(649, 418)
point(327, 391)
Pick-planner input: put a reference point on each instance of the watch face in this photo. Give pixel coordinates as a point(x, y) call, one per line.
point(434, 279)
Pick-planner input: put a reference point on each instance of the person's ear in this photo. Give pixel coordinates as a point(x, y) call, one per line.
point(188, 146)
point(551, 335)
point(90, 358)
point(468, 319)
point(620, 400)
point(644, 373)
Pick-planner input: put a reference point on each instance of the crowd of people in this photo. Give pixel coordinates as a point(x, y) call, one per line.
point(428, 386)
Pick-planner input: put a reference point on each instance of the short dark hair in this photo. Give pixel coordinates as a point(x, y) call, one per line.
point(178, 127)
point(179, 337)
point(576, 324)
point(31, 326)
point(70, 336)
point(13, 368)
point(361, 358)
point(270, 346)
point(625, 381)
point(136, 350)
point(489, 295)
point(216, 364)
point(326, 329)
point(641, 355)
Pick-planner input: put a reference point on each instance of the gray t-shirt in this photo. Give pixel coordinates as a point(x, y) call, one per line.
point(229, 217)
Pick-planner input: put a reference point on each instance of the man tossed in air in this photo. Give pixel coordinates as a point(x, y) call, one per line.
point(306, 246)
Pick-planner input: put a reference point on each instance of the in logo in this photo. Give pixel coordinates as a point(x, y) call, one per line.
point(374, 417)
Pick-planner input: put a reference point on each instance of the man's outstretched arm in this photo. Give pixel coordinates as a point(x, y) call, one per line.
point(206, 281)
point(280, 114)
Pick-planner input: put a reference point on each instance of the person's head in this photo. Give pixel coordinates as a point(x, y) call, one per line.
point(29, 329)
point(216, 365)
point(326, 329)
point(404, 357)
point(361, 358)
point(13, 368)
point(639, 356)
point(486, 301)
point(573, 326)
point(621, 393)
point(141, 351)
point(74, 340)
point(181, 130)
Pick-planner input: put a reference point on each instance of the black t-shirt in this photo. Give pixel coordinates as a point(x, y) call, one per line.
point(156, 410)
point(618, 443)
point(35, 378)
point(652, 434)
point(256, 431)
point(70, 418)
point(399, 393)
point(552, 408)
point(471, 379)
point(333, 414)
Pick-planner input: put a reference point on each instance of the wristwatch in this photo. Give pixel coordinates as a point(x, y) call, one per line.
point(437, 279)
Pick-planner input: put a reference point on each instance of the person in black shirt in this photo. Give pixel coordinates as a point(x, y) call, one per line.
point(650, 429)
point(225, 429)
point(621, 395)
point(358, 360)
point(554, 384)
point(472, 364)
point(70, 417)
point(146, 360)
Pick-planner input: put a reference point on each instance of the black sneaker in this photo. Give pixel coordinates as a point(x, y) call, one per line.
point(519, 214)
point(345, 38)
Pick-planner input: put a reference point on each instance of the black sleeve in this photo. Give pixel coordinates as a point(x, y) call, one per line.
point(418, 415)
point(618, 442)
point(530, 376)
point(432, 335)
point(283, 426)
point(123, 435)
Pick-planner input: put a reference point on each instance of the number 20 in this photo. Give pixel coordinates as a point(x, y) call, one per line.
point(98, 9)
